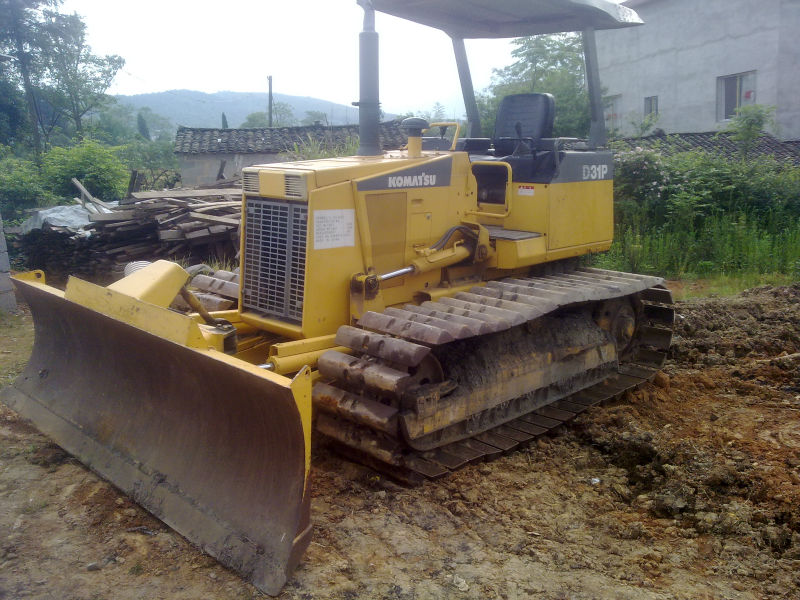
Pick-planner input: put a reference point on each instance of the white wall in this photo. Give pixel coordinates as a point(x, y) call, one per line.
point(788, 102)
point(685, 45)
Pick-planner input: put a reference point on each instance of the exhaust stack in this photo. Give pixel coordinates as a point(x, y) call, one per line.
point(368, 103)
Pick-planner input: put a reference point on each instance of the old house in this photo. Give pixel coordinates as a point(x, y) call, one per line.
point(694, 63)
point(206, 155)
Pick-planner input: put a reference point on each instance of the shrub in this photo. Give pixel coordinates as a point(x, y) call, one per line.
point(20, 188)
point(94, 165)
point(155, 161)
point(697, 213)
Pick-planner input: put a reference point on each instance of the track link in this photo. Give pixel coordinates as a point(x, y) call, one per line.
point(362, 398)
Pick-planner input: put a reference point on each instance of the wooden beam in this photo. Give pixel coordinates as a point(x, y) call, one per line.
point(214, 219)
point(186, 193)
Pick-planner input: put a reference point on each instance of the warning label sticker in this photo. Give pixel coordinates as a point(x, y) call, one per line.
point(525, 190)
point(334, 228)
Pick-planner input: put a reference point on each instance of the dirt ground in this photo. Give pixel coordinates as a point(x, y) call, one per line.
point(688, 488)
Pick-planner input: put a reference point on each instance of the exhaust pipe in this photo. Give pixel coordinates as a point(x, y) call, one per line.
point(368, 103)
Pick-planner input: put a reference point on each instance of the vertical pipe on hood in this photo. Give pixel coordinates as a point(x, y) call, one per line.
point(368, 103)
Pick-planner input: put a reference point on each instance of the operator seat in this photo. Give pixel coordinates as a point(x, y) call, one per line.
point(523, 118)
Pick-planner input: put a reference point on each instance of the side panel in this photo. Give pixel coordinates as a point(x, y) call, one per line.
point(582, 201)
point(580, 214)
point(333, 256)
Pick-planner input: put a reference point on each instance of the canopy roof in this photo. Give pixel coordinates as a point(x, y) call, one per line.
point(509, 18)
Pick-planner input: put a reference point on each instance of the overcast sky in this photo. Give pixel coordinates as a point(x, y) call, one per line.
point(310, 47)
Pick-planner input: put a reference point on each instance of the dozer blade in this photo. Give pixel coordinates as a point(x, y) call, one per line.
point(209, 444)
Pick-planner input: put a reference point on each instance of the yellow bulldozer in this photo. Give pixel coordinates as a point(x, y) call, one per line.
point(423, 308)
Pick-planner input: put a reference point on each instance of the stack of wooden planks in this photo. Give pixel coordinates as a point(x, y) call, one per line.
point(189, 225)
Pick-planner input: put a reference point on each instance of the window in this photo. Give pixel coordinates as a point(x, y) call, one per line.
point(613, 107)
point(651, 105)
point(733, 92)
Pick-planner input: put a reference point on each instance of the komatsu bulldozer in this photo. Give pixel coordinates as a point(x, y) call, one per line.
point(424, 308)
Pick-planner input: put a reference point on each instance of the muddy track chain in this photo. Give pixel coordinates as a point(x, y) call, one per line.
point(389, 351)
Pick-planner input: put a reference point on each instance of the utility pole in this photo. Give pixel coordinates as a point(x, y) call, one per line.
point(269, 108)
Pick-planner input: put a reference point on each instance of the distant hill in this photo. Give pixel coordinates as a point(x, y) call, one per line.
point(198, 109)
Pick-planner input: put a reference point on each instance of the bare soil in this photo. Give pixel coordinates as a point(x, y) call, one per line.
point(688, 488)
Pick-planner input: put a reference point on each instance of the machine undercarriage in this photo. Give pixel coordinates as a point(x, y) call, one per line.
point(432, 387)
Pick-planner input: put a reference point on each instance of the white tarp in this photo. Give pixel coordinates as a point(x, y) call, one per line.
point(73, 216)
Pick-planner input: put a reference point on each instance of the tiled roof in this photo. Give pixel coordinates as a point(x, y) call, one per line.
point(794, 144)
point(712, 141)
point(195, 140)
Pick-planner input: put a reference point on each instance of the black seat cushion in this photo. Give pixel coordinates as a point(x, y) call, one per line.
point(533, 112)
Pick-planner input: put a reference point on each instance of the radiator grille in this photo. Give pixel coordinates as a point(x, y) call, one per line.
point(250, 182)
point(275, 258)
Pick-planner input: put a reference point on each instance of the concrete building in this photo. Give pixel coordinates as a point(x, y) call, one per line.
point(694, 62)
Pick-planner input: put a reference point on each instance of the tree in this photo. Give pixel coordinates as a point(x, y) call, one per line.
point(642, 126)
point(141, 126)
point(544, 63)
point(60, 77)
point(315, 116)
point(13, 122)
point(155, 162)
point(21, 37)
point(748, 125)
point(224, 121)
point(81, 77)
point(256, 119)
point(282, 116)
point(116, 124)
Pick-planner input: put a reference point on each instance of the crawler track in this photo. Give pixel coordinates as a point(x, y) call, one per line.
point(400, 403)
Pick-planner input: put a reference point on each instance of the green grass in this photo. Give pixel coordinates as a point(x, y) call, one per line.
point(725, 285)
point(16, 342)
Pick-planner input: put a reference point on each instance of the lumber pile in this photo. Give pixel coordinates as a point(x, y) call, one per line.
point(189, 225)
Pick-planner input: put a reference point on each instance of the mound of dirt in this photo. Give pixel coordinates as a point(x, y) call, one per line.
point(685, 488)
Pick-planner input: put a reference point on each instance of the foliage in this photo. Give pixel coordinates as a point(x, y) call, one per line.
point(315, 116)
point(95, 166)
point(155, 163)
point(224, 121)
point(313, 147)
point(700, 213)
point(20, 187)
point(21, 37)
point(52, 64)
point(642, 126)
point(544, 63)
point(79, 77)
point(748, 125)
point(117, 124)
point(141, 126)
point(282, 116)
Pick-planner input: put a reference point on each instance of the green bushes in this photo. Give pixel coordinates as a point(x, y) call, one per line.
point(20, 188)
point(697, 213)
point(24, 185)
point(93, 164)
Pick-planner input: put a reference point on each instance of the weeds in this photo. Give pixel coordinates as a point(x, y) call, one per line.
point(696, 214)
point(326, 147)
